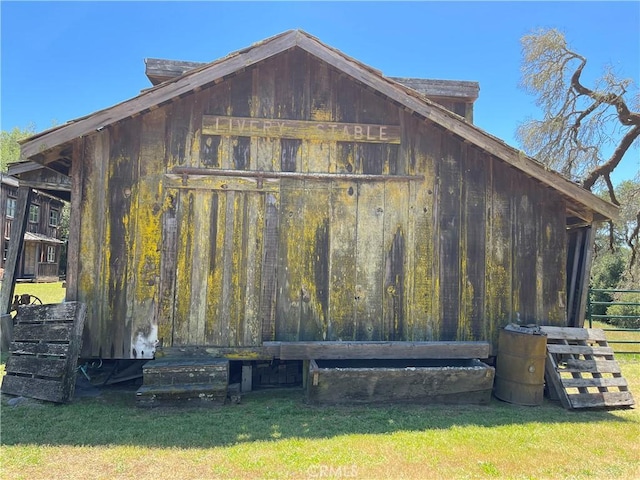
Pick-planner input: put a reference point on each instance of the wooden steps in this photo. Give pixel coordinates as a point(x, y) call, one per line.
point(581, 370)
point(184, 380)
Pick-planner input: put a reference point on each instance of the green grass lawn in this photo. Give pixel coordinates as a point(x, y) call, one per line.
point(273, 434)
point(46, 292)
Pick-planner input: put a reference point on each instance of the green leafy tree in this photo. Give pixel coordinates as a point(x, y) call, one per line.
point(625, 316)
point(9, 146)
point(613, 266)
point(581, 124)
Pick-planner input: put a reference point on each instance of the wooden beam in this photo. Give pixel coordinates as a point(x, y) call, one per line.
point(266, 352)
point(453, 89)
point(18, 228)
point(75, 221)
point(56, 187)
point(381, 350)
point(589, 241)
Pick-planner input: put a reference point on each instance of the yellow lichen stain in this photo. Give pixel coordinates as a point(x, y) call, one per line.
point(183, 262)
point(238, 272)
point(165, 299)
point(464, 331)
point(496, 291)
point(195, 148)
point(148, 237)
point(213, 326)
point(436, 325)
point(556, 316)
point(249, 355)
point(313, 302)
point(322, 115)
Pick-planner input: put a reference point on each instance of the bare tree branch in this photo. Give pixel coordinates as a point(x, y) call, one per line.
point(606, 168)
point(581, 125)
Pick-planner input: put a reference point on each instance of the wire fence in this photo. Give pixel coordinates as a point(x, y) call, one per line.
point(619, 310)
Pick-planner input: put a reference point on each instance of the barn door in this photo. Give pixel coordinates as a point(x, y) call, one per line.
point(224, 237)
point(342, 258)
point(292, 260)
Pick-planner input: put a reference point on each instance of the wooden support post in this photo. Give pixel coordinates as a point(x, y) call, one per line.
point(585, 271)
point(73, 243)
point(247, 372)
point(16, 243)
point(6, 332)
point(305, 373)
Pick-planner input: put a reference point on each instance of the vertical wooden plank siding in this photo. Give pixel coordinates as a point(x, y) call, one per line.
point(217, 331)
point(396, 195)
point(228, 265)
point(178, 135)
point(498, 285)
point(449, 226)
point(454, 254)
point(343, 286)
point(93, 254)
point(168, 267)
point(184, 259)
point(255, 220)
point(290, 260)
point(269, 257)
point(75, 219)
point(552, 252)
point(264, 84)
point(122, 179)
point(368, 263)
point(147, 236)
point(195, 145)
point(472, 272)
point(198, 271)
point(314, 262)
point(236, 256)
point(524, 253)
point(426, 292)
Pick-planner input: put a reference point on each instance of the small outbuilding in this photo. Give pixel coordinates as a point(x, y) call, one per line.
point(288, 192)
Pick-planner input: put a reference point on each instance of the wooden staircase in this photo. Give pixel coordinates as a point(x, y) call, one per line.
point(581, 370)
point(174, 381)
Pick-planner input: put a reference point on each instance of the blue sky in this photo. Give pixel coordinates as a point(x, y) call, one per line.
point(63, 60)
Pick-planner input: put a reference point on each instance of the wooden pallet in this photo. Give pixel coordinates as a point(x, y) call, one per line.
point(581, 370)
point(44, 353)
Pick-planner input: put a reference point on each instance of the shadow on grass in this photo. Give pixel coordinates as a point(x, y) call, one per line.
point(112, 418)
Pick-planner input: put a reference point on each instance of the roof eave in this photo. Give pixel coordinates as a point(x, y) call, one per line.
point(405, 96)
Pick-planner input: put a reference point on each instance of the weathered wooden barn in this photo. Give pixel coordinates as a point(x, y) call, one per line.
point(288, 192)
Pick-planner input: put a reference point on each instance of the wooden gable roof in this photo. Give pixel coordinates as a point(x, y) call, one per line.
point(42, 147)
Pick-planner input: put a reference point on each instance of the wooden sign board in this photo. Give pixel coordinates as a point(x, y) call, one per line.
point(303, 129)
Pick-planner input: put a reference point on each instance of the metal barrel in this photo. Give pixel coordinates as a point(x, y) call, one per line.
point(520, 367)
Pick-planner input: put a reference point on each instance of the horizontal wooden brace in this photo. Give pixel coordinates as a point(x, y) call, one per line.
point(380, 350)
point(210, 182)
point(265, 352)
point(295, 175)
